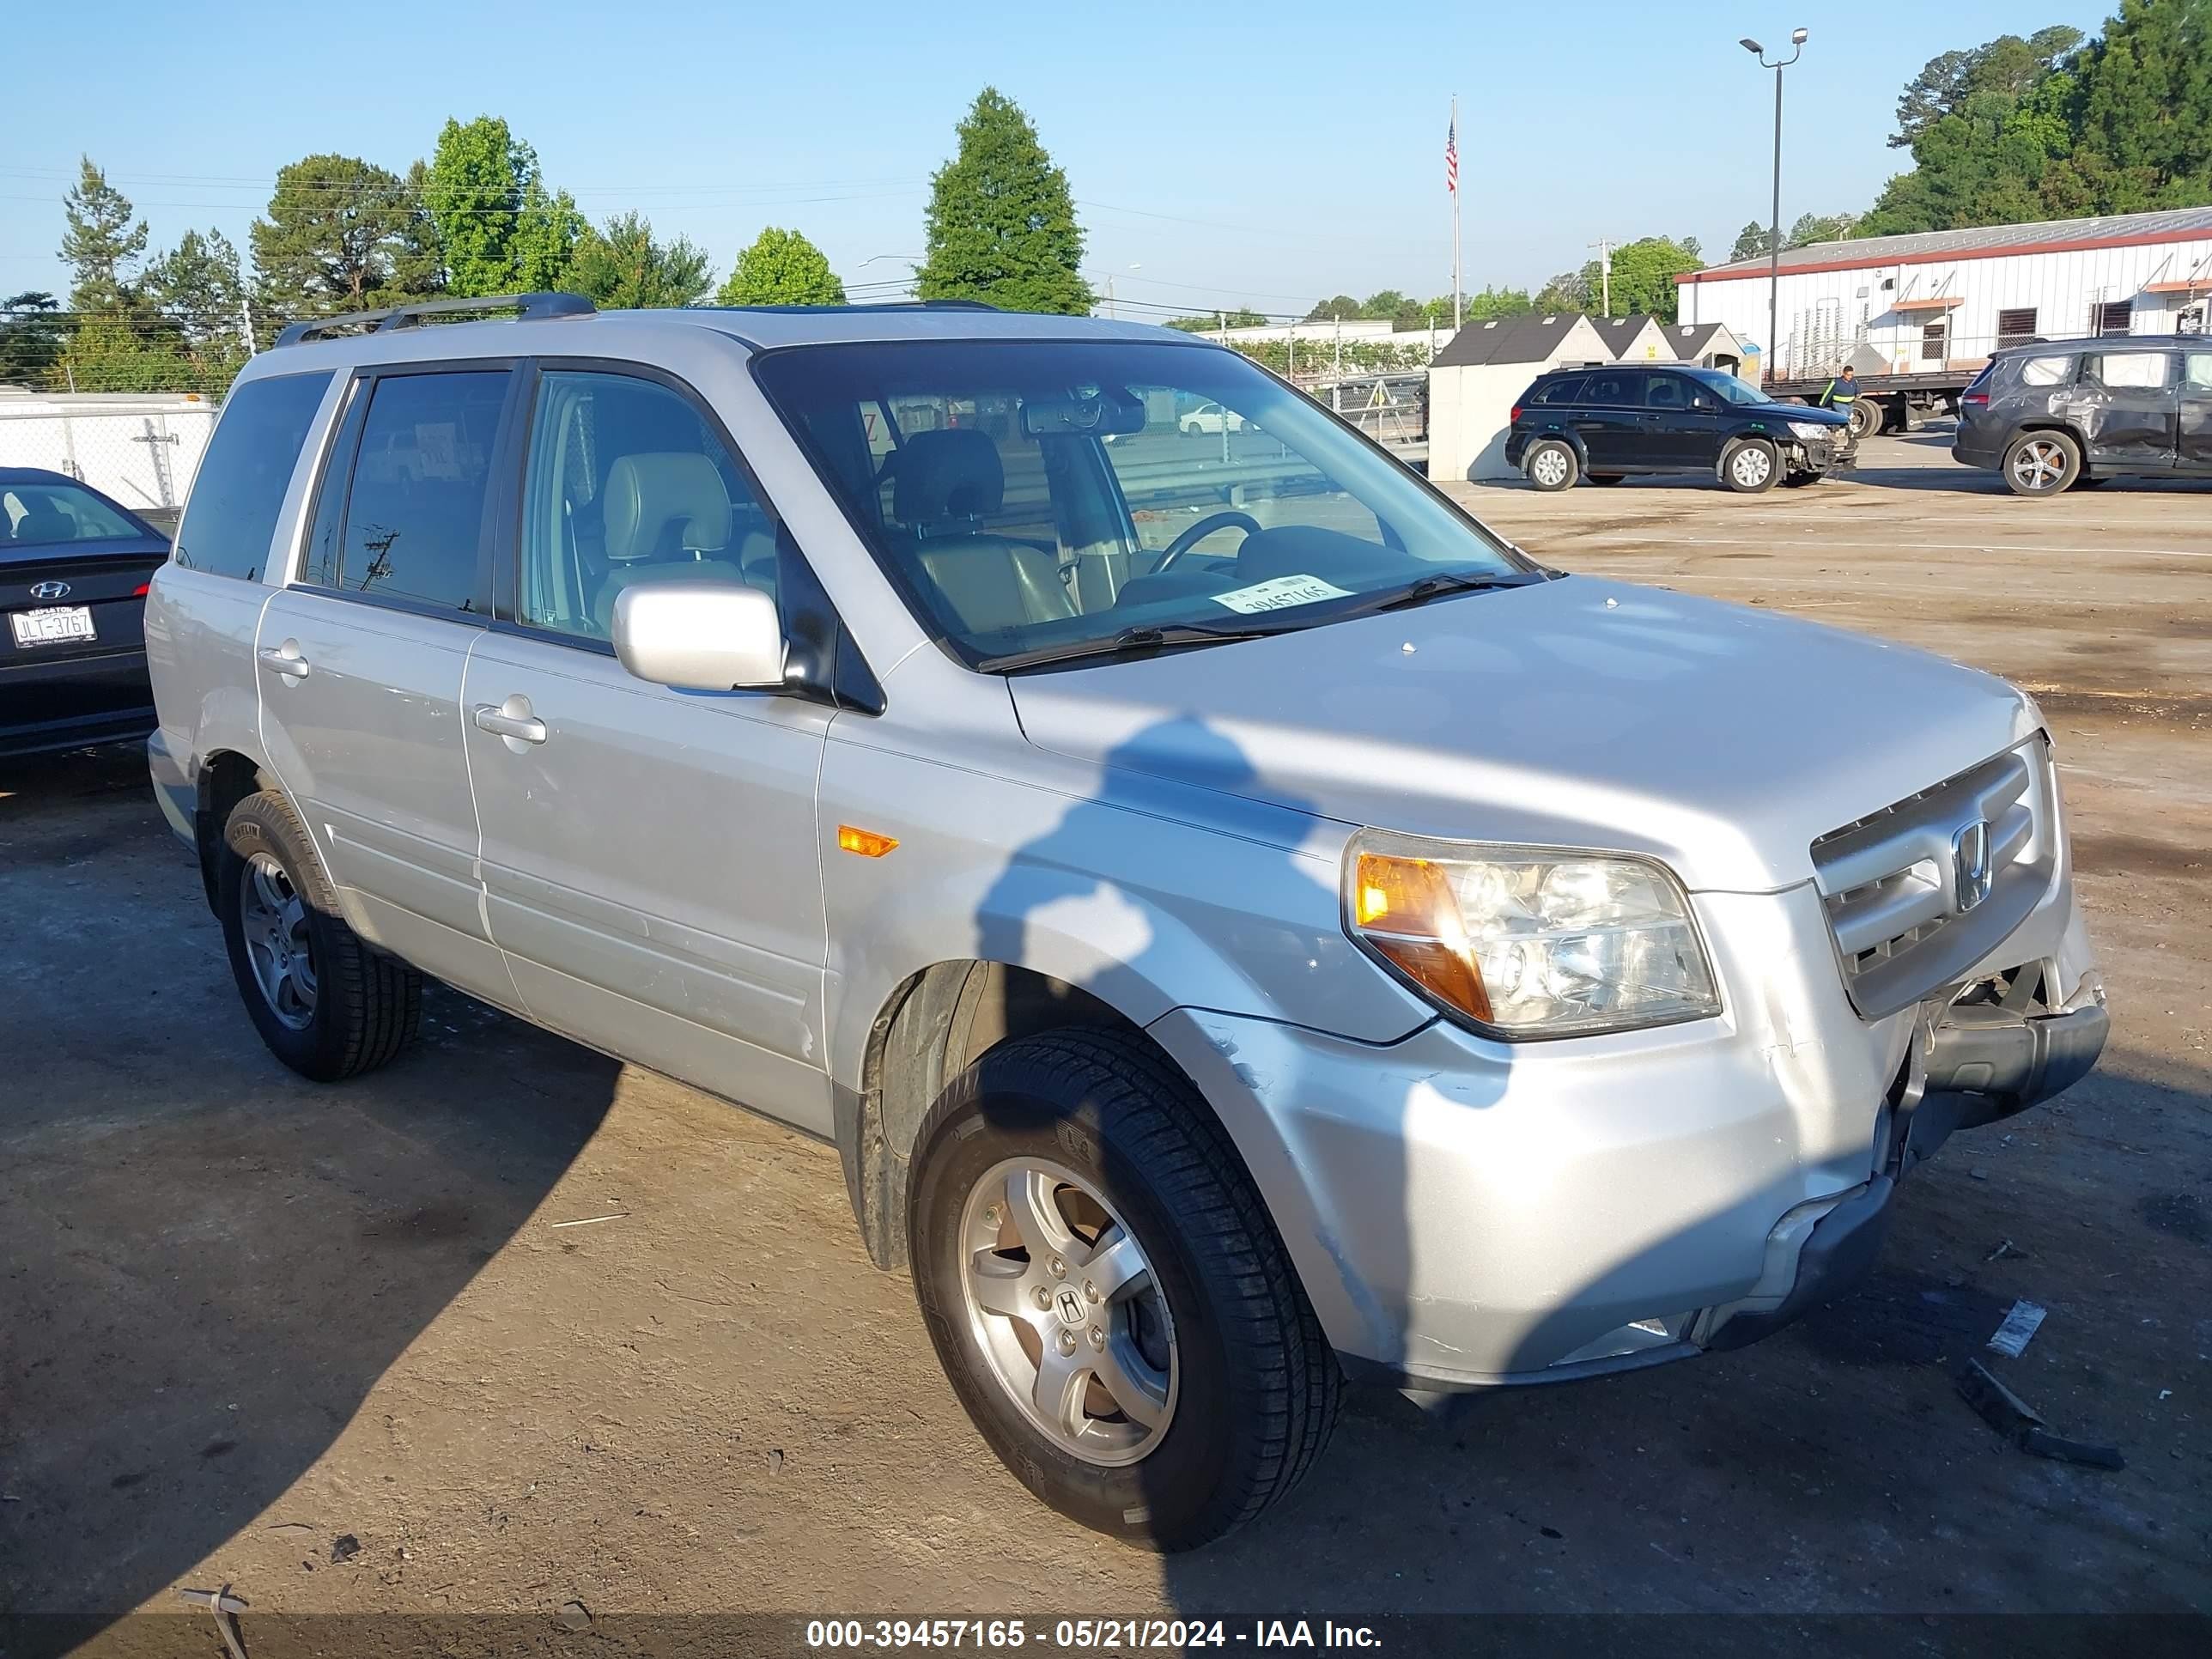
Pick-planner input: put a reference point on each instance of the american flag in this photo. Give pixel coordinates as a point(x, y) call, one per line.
point(1451, 156)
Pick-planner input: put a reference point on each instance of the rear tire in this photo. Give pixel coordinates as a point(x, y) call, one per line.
point(327, 1006)
point(1551, 465)
point(1089, 1140)
point(1866, 416)
point(1751, 467)
point(2042, 464)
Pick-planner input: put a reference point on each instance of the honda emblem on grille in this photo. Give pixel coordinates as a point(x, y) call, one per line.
point(1970, 860)
point(50, 590)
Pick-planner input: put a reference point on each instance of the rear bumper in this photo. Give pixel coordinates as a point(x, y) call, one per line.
point(71, 702)
point(1968, 452)
point(174, 792)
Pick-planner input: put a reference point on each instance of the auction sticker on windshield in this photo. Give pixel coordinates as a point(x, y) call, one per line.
point(1281, 593)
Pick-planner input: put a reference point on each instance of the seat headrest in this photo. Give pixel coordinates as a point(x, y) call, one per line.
point(648, 494)
point(47, 524)
point(954, 473)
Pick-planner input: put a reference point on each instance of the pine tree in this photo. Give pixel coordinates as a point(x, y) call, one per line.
point(342, 234)
point(1001, 225)
point(782, 268)
point(104, 238)
point(195, 287)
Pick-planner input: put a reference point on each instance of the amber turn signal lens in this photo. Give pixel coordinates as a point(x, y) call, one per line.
point(1405, 912)
point(866, 842)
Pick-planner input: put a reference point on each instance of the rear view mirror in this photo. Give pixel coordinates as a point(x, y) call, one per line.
point(700, 637)
point(1102, 413)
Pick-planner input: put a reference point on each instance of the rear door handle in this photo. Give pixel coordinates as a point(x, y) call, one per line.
point(284, 659)
point(501, 723)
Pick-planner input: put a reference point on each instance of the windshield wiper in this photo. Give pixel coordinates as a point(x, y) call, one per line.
point(1130, 641)
point(1433, 587)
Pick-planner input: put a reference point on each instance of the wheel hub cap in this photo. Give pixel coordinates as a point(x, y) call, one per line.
point(273, 917)
point(1062, 1302)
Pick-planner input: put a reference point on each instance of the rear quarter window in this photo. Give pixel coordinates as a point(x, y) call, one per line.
point(239, 492)
point(2046, 371)
point(1567, 389)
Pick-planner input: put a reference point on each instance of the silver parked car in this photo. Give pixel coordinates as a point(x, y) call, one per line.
point(1244, 925)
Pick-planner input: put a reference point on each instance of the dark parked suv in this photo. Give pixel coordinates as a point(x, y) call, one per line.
point(1606, 422)
point(2057, 413)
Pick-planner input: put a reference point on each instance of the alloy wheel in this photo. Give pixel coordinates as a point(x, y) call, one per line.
point(1750, 466)
point(1063, 1302)
point(1550, 467)
point(274, 918)
point(2039, 464)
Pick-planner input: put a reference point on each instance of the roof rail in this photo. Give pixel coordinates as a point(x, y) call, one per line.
point(872, 306)
point(529, 305)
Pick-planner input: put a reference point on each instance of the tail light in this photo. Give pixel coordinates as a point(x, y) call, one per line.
point(1515, 414)
point(1974, 400)
point(141, 590)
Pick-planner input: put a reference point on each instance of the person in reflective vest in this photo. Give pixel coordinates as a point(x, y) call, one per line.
point(1841, 393)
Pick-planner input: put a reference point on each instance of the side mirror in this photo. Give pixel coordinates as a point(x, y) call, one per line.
point(700, 637)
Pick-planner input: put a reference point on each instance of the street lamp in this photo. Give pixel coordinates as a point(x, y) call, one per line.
point(1774, 233)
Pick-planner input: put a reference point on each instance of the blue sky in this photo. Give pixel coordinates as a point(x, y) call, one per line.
point(1258, 155)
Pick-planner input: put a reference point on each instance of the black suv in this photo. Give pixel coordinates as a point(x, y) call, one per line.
point(1606, 422)
point(2055, 413)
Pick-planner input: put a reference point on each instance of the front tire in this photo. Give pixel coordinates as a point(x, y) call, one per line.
point(327, 1006)
point(2040, 464)
point(1108, 1295)
point(1550, 465)
point(1751, 467)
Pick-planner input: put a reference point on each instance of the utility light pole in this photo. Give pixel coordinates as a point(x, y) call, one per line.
point(1774, 232)
point(1604, 274)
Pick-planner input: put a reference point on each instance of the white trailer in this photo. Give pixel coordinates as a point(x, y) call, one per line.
point(139, 448)
point(1918, 316)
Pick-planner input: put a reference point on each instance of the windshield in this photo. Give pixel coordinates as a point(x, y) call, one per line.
point(1729, 386)
point(38, 514)
point(1036, 500)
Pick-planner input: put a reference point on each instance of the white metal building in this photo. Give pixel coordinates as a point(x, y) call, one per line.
point(1943, 299)
point(141, 448)
point(1474, 379)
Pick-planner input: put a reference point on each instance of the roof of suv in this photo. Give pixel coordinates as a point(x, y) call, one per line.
point(762, 327)
point(2107, 342)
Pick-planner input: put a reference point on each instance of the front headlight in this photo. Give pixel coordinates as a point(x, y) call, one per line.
point(1812, 431)
point(1529, 941)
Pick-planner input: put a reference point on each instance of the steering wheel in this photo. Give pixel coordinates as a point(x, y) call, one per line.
point(1198, 532)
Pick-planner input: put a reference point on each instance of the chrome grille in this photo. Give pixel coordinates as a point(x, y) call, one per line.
point(1903, 902)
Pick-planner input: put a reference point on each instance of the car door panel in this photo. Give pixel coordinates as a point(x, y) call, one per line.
point(2193, 436)
point(652, 869)
point(2126, 422)
point(360, 662)
point(1613, 423)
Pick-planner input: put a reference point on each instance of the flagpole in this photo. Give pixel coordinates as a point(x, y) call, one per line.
point(1454, 196)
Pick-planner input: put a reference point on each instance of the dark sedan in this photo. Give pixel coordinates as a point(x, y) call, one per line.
point(74, 568)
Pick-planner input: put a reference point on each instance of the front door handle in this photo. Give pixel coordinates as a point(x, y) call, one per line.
point(511, 719)
point(285, 659)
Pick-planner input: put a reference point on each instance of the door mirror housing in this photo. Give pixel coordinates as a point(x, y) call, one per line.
point(700, 637)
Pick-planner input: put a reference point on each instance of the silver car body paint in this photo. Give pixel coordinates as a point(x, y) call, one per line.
point(1167, 835)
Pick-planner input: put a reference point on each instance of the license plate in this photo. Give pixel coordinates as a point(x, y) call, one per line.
point(52, 626)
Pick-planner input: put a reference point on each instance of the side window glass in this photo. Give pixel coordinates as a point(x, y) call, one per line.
point(321, 566)
point(239, 492)
point(414, 514)
point(1663, 391)
point(2046, 371)
point(627, 484)
point(1615, 389)
point(2199, 378)
point(1567, 389)
point(2130, 370)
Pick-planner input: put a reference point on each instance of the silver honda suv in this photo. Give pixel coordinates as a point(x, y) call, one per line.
point(1245, 924)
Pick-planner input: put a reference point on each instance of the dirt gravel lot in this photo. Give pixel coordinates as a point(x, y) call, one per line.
point(337, 1349)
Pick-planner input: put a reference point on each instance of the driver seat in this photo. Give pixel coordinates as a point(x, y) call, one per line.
point(943, 484)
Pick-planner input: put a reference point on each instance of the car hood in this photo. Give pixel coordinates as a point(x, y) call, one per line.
point(1796, 412)
point(1720, 738)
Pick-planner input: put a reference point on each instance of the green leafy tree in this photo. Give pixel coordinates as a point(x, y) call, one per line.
point(1001, 225)
point(109, 353)
point(1570, 291)
point(1643, 279)
point(782, 268)
point(1336, 306)
point(622, 265)
point(1752, 241)
point(477, 189)
point(31, 338)
point(2007, 65)
point(1241, 317)
point(547, 233)
point(2142, 113)
point(102, 239)
point(343, 234)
